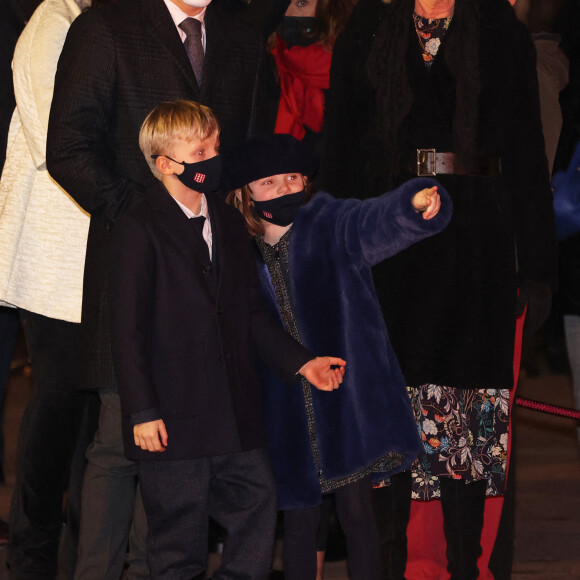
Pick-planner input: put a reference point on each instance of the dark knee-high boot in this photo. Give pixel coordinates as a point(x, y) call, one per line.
point(463, 506)
point(392, 509)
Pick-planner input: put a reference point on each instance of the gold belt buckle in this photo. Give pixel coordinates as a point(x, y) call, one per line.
point(423, 161)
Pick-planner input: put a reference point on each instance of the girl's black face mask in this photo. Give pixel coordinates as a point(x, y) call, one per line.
point(298, 30)
point(202, 176)
point(280, 210)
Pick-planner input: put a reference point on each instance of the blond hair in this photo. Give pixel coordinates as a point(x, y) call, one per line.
point(175, 121)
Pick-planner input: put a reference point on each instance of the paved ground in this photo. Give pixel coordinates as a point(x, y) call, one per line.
point(547, 482)
point(547, 487)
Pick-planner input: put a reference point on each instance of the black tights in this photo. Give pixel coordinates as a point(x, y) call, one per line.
point(354, 509)
point(392, 507)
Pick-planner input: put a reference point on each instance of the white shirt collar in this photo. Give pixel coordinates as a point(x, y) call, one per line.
point(202, 211)
point(178, 16)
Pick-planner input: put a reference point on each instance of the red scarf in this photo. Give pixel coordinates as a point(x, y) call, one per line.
point(304, 72)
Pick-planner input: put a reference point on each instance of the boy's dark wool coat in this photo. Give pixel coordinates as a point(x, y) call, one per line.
point(119, 62)
point(333, 245)
point(449, 302)
point(185, 335)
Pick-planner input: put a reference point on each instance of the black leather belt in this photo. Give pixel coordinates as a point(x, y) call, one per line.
point(430, 162)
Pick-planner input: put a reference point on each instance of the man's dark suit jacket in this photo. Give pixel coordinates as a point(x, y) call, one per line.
point(185, 336)
point(119, 61)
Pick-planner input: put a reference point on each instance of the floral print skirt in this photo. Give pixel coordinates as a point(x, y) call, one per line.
point(464, 435)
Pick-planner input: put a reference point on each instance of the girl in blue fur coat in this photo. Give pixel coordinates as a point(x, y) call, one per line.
point(314, 256)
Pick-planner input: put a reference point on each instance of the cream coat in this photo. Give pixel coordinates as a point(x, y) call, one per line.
point(43, 232)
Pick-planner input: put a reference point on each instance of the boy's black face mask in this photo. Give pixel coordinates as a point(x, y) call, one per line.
point(202, 176)
point(298, 30)
point(281, 210)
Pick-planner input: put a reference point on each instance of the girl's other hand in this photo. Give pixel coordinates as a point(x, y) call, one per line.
point(428, 202)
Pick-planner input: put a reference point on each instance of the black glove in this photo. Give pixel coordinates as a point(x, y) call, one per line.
point(538, 297)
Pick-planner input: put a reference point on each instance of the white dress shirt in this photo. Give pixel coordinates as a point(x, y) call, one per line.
point(179, 16)
point(203, 211)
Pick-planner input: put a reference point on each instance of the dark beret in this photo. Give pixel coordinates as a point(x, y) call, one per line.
point(264, 156)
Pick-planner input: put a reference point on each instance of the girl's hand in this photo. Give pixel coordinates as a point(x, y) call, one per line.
point(320, 372)
point(428, 202)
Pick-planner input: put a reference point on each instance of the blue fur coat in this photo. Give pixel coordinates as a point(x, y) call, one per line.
point(333, 245)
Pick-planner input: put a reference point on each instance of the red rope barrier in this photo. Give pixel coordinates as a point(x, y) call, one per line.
point(546, 408)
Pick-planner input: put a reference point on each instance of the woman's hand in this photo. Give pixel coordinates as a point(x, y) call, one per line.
point(319, 372)
point(428, 202)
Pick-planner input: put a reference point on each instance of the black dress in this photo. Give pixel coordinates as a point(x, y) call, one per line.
point(449, 301)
